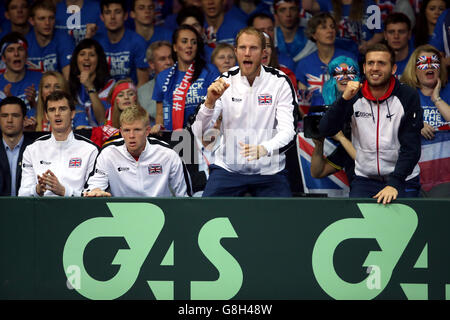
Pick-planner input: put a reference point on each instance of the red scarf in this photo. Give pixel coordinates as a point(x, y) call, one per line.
point(179, 99)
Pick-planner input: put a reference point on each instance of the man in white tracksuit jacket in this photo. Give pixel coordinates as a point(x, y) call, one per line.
point(257, 105)
point(137, 166)
point(386, 120)
point(57, 164)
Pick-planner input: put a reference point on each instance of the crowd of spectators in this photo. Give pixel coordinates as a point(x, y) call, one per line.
point(162, 56)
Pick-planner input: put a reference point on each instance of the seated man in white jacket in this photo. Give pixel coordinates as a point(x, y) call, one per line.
point(59, 163)
point(137, 166)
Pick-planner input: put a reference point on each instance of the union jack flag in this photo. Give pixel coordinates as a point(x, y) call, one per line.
point(75, 163)
point(425, 62)
point(154, 169)
point(315, 83)
point(434, 162)
point(335, 185)
point(38, 66)
point(264, 99)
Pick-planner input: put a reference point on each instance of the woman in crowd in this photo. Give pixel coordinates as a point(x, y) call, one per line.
point(311, 71)
point(425, 72)
point(194, 16)
point(223, 57)
point(89, 80)
point(122, 95)
point(426, 20)
point(52, 81)
point(185, 84)
point(342, 70)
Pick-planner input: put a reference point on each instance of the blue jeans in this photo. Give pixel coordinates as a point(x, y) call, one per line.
point(222, 183)
point(362, 187)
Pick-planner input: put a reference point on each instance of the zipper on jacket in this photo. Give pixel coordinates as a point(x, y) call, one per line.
point(378, 135)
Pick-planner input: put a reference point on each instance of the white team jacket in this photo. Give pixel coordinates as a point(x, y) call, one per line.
point(71, 161)
point(157, 173)
point(261, 114)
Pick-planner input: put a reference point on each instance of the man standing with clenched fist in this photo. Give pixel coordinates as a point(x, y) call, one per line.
point(257, 105)
point(386, 120)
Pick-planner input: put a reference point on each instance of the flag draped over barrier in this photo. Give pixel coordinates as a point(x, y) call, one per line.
point(335, 185)
point(435, 160)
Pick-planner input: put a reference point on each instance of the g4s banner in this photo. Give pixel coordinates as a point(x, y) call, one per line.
point(140, 224)
point(224, 249)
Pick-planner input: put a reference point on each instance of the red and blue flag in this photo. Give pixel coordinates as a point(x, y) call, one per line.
point(335, 185)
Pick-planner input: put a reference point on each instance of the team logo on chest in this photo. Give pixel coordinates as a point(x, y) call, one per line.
point(264, 99)
point(75, 163)
point(154, 169)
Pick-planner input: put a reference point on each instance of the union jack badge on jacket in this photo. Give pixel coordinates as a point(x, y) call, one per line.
point(264, 99)
point(75, 163)
point(154, 169)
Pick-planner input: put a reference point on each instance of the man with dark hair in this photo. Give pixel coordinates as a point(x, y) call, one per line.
point(221, 26)
point(386, 120)
point(143, 14)
point(12, 116)
point(289, 35)
point(58, 164)
point(17, 80)
point(257, 105)
point(124, 48)
point(397, 33)
point(48, 49)
point(265, 23)
point(17, 12)
point(137, 166)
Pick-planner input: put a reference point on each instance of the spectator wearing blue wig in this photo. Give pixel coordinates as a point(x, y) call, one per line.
point(341, 69)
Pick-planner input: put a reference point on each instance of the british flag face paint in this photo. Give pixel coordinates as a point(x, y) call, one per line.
point(428, 62)
point(340, 73)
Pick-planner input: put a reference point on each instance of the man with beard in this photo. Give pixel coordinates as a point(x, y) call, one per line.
point(12, 117)
point(386, 120)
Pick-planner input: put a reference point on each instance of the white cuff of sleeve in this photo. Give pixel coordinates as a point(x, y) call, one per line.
point(34, 192)
point(68, 191)
point(268, 147)
point(206, 110)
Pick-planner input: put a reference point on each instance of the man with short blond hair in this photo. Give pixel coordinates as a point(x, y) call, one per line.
point(137, 166)
point(258, 106)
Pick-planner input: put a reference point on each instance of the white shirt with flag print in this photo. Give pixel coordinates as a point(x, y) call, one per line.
point(159, 171)
point(71, 161)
